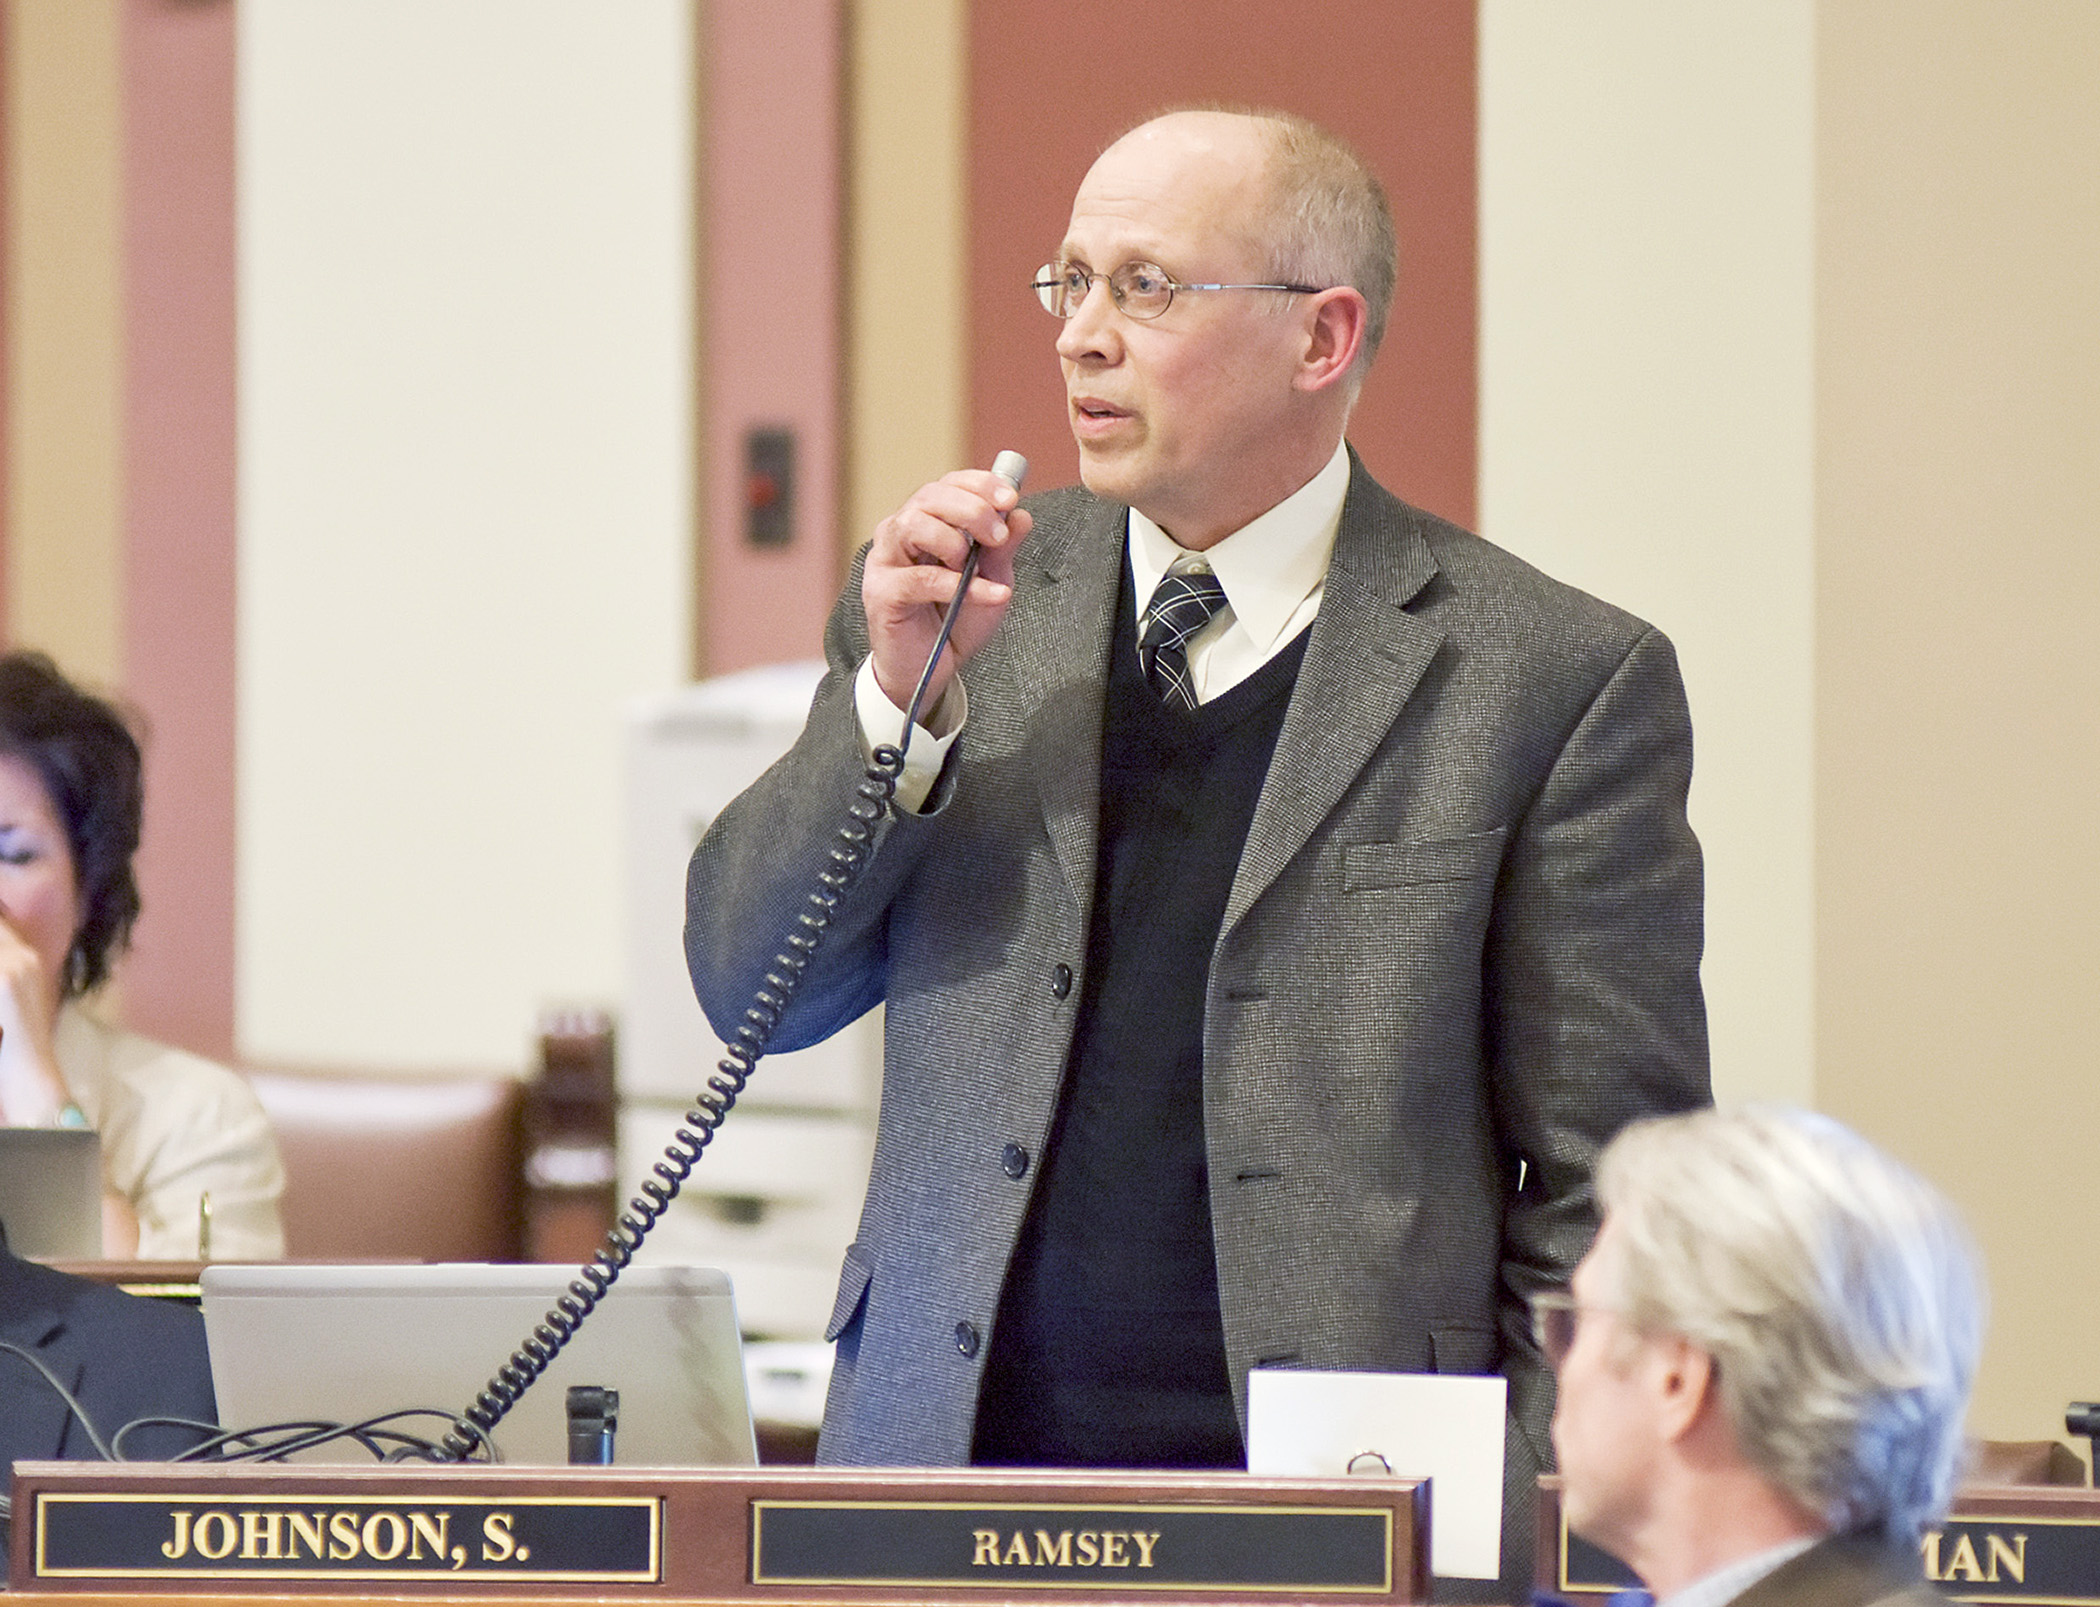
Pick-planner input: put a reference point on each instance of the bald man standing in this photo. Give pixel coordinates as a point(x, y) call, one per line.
point(1288, 894)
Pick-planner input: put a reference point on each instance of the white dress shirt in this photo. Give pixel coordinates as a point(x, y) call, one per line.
point(1273, 570)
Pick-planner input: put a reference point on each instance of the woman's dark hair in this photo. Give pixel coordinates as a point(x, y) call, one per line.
point(88, 758)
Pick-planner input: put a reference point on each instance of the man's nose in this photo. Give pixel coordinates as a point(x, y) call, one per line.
point(1090, 333)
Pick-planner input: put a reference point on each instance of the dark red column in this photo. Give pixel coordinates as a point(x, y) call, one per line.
point(179, 569)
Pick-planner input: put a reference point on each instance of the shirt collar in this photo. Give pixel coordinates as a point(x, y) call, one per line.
point(1269, 565)
point(1726, 1583)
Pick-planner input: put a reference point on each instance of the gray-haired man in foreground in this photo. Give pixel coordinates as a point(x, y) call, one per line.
point(1764, 1363)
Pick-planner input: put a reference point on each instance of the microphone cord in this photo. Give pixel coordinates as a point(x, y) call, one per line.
point(850, 851)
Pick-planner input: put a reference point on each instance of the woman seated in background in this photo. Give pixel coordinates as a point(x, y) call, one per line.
point(175, 1127)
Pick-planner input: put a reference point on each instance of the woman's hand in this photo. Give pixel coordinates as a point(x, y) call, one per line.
point(32, 1092)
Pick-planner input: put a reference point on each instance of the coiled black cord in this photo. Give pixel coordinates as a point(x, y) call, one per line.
point(849, 857)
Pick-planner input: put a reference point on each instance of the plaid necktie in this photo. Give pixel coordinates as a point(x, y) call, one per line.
point(1181, 606)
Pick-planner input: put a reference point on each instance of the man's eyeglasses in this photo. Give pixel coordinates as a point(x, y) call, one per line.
point(1139, 289)
point(1555, 1315)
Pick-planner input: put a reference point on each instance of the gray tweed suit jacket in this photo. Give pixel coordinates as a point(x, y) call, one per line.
point(1460, 951)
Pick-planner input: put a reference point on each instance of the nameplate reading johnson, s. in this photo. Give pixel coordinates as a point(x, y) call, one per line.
point(611, 1540)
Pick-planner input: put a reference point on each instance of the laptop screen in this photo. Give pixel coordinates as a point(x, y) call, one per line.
point(346, 1343)
point(51, 1192)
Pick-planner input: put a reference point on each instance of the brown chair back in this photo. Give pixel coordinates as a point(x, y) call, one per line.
point(398, 1168)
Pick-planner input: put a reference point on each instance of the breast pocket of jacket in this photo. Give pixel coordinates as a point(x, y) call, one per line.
point(1428, 863)
point(852, 1297)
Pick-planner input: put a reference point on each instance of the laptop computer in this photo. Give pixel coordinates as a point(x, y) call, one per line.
point(51, 1192)
point(346, 1343)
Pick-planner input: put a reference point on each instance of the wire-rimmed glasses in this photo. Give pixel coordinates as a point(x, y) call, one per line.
point(1555, 1315)
point(1139, 289)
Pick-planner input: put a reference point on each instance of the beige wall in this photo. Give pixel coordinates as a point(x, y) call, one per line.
point(65, 493)
point(907, 261)
point(1645, 384)
point(1958, 639)
point(466, 287)
point(1790, 329)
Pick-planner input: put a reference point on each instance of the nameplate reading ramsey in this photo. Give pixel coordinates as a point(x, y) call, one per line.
point(1055, 1546)
point(543, 1539)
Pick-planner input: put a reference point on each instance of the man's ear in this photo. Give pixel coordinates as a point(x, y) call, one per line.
point(1341, 320)
point(1684, 1383)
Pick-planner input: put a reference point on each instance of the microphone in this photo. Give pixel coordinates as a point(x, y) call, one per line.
point(1011, 467)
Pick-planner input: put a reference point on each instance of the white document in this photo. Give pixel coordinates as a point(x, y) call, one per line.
point(1447, 1428)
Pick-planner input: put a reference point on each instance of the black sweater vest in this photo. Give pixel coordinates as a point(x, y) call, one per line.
point(1108, 1350)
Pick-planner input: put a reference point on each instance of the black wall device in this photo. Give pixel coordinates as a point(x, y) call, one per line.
point(769, 485)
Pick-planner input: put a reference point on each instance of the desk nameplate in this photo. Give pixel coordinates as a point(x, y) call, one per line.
point(1245, 1548)
point(210, 1534)
point(734, 1537)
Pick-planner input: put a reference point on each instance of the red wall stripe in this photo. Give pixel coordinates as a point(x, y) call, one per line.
point(771, 290)
point(179, 555)
point(7, 269)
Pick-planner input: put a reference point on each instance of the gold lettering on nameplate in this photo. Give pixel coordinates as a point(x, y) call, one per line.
point(126, 1536)
point(1084, 1548)
point(215, 1535)
point(279, 1534)
point(308, 1529)
point(497, 1542)
point(2003, 1561)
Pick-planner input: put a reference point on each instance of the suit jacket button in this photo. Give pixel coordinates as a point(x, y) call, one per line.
point(966, 1340)
point(1061, 981)
point(1013, 1160)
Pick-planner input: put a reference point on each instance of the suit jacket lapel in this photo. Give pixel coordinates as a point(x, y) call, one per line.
point(1362, 663)
point(1061, 657)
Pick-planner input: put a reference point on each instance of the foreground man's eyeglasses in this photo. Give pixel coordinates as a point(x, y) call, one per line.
point(1554, 1316)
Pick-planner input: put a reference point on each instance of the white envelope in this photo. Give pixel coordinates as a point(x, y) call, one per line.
point(1445, 1427)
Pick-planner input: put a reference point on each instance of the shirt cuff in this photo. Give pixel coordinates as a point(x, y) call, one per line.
point(881, 721)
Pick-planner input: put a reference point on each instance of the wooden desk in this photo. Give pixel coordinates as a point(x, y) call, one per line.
point(177, 1280)
point(169, 1280)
